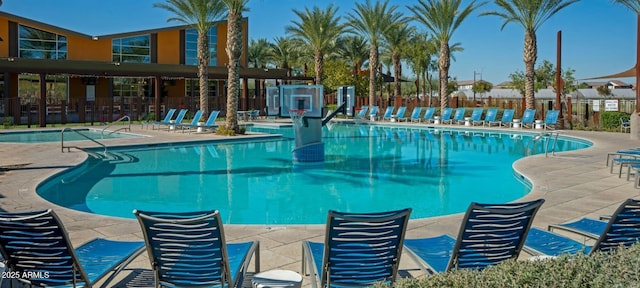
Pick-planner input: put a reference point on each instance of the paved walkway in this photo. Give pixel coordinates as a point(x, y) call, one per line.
point(574, 184)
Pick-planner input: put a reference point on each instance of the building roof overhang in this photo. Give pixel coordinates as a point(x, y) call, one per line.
point(117, 69)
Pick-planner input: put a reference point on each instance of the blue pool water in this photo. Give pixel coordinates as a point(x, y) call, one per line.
point(42, 136)
point(367, 168)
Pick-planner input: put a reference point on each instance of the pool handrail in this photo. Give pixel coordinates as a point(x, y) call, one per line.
point(77, 131)
point(128, 128)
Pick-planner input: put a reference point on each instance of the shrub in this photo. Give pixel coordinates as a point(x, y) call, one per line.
point(618, 269)
point(222, 130)
point(611, 119)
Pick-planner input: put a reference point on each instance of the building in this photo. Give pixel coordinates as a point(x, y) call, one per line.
point(51, 74)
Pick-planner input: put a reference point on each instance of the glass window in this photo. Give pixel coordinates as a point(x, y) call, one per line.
point(135, 49)
point(191, 46)
point(39, 44)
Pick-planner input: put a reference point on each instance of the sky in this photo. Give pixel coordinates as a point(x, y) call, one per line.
point(598, 37)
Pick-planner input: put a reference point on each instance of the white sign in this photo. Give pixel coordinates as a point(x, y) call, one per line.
point(596, 106)
point(610, 105)
point(91, 93)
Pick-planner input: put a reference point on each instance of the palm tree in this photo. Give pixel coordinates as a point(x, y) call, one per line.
point(284, 52)
point(353, 49)
point(420, 50)
point(395, 40)
point(373, 21)
point(530, 15)
point(234, 51)
point(259, 54)
point(442, 18)
point(319, 29)
point(200, 14)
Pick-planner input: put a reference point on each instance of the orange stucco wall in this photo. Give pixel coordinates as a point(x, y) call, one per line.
point(88, 49)
point(4, 33)
point(169, 47)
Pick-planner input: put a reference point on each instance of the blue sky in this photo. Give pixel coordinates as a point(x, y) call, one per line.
point(598, 37)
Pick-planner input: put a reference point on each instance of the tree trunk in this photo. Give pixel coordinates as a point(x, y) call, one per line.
point(234, 51)
point(319, 61)
point(397, 73)
point(203, 71)
point(443, 68)
point(530, 55)
point(373, 65)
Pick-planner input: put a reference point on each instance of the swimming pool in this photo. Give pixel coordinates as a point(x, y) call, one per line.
point(367, 168)
point(43, 136)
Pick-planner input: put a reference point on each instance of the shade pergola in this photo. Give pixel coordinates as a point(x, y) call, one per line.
point(624, 74)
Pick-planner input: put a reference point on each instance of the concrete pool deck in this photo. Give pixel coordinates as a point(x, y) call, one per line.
point(574, 184)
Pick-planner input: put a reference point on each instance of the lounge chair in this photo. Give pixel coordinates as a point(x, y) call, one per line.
point(373, 114)
point(625, 126)
point(359, 249)
point(172, 123)
point(551, 119)
point(211, 121)
point(189, 250)
point(457, 117)
point(388, 113)
point(476, 115)
point(362, 112)
point(415, 114)
point(528, 118)
point(489, 117)
point(445, 115)
point(622, 229)
point(399, 116)
point(489, 234)
point(428, 115)
point(190, 125)
point(36, 244)
point(505, 120)
point(166, 119)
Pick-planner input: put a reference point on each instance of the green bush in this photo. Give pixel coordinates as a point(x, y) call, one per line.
point(611, 119)
point(619, 269)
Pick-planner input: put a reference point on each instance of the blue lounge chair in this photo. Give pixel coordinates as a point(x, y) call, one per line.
point(489, 117)
point(457, 117)
point(399, 116)
point(373, 114)
point(166, 119)
point(35, 244)
point(527, 118)
point(388, 113)
point(172, 123)
point(446, 115)
point(551, 119)
point(489, 234)
point(363, 112)
point(190, 125)
point(428, 115)
point(415, 114)
point(359, 249)
point(622, 229)
point(211, 121)
point(476, 115)
point(505, 120)
point(189, 250)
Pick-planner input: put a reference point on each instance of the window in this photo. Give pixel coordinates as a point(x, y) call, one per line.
point(191, 46)
point(39, 44)
point(136, 49)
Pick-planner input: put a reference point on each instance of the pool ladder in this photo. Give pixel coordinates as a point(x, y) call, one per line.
point(77, 131)
point(123, 118)
point(545, 135)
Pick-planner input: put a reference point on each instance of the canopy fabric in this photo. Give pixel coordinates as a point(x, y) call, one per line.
point(628, 73)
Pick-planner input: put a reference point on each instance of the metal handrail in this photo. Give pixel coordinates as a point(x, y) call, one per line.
point(77, 132)
point(547, 134)
point(128, 128)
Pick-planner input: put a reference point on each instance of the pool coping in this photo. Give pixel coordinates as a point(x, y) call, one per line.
point(574, 184)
